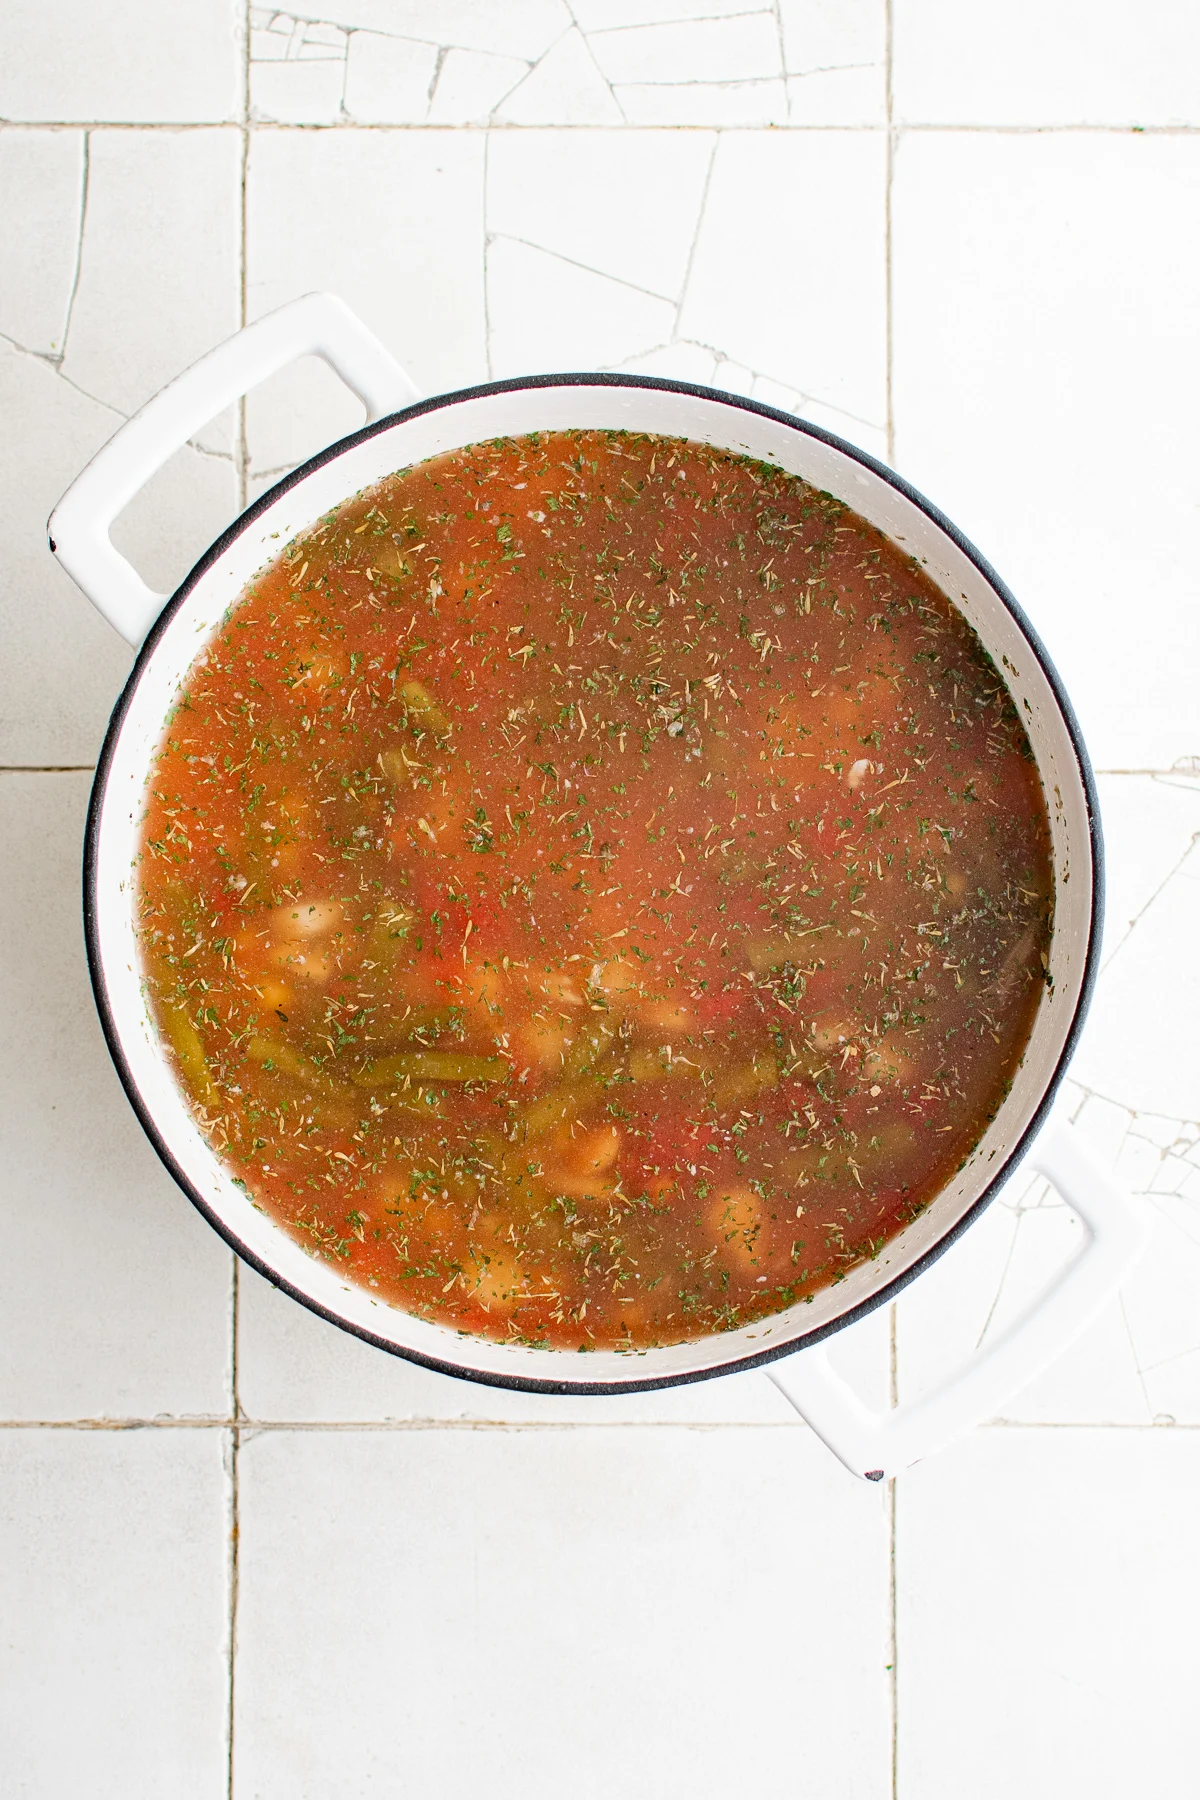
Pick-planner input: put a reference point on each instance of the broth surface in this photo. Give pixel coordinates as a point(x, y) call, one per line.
point(595, 889)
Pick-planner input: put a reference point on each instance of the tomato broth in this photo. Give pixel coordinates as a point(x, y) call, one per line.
point(595, 889)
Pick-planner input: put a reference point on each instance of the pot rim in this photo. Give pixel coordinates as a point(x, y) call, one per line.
point(804, 1339)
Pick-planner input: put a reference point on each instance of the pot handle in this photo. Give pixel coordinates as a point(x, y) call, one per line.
point(874, 1445)
point(314, 325)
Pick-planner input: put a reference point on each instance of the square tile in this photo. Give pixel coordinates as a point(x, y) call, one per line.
point(1047, 1587)
point(1078, 62)
point(1045, 387)
point(130, 61)
point(389, 80)
point(114, 1591)
point(1142, 1043)
point(63, 666)
point(566, 87)
point(298, 93)
point(1150, 825)
point(114, 1294)
point(823, 35)
point(789, 273)
point(154, 283)
point(547, 313)
point(41, 191)
point(622, 204)
point(559, 1607)
point(704, 102)
point(742, 47)
point(614, 15)
point(851, 96)
point(402, 243)
point(525, 28)
point(471, 84)
point(158, 272)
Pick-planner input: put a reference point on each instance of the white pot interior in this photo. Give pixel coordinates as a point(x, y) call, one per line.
point(449, 426)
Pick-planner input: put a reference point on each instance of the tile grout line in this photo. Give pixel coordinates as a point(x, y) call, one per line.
point(244, 1425)
point(1048, 129)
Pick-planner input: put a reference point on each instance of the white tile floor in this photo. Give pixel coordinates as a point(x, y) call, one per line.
point(242, 1555)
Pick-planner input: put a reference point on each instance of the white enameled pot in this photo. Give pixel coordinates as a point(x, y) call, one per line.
point(403, 430)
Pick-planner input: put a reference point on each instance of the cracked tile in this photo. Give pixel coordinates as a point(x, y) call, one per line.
point(63, 665)
point(113, 1585)
point(1024, 355)
point(129, 62)
point(623, 204)
point(705, 103)
point(545, 313)
point(802, 300)
point(679, 361)
point(610, 15)
point(1142, 1043)
point(471, 84)
point(158, 275)
point(872, 438)
point(822, 35)
point(744, 47)
point(524, 28)
point(1154, 822)
point(297, 69)
point(561, 1564)
point(389, 80)
point(1097, 62)
point(279, 37)
point(851, 96)
point(297, 93)
point(41, 196)
point(565, 87)
point(1047, 1587)
point(402, 242)
point(115, 1293)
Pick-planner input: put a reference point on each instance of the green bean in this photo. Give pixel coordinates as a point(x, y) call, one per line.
point(185, 1041)
point(552, 1108)
point(329, 1103)
point(430, 1065)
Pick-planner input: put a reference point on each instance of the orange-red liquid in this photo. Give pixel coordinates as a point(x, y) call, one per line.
point(596, 890)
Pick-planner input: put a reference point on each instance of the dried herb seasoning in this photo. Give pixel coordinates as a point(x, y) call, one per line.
point(595, 889)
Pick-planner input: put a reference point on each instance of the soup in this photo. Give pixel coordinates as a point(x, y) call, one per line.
point(595, 890)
